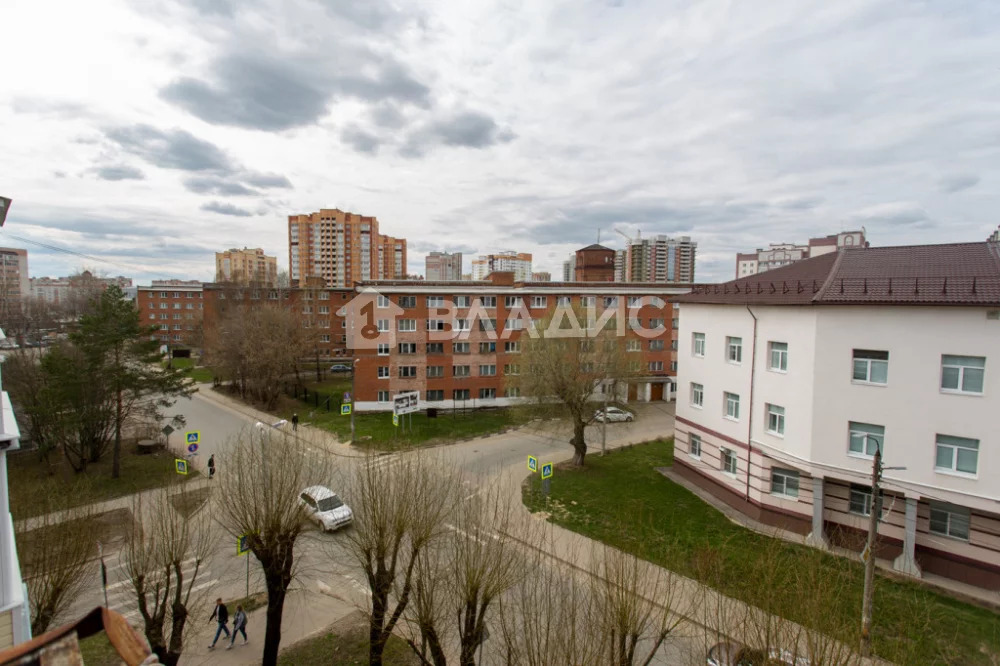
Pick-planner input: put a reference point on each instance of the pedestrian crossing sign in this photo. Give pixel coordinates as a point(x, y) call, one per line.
point(193, 437)
point(395, 420)
point(547, 471)
point(181, 465)
point(345, 409)
point(532, 464)
point(242, 544)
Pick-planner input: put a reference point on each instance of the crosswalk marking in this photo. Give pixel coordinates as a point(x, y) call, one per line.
point(384, 461)
point(126, 604)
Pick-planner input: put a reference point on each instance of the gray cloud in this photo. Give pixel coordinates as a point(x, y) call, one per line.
point(219, 186)
point(217, 7)
point(50, 108)
point(266, 180)
point(225, 209)
point(959, 182)
point(469, 129)
point(360, 140)
point(170, 149)
point(120, 172)
point(897, 214)
point(388, 116)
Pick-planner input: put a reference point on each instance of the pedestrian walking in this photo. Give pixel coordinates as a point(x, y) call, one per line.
point(211, 466)
point(295, 421)
point(240, 625)
point(220, 615)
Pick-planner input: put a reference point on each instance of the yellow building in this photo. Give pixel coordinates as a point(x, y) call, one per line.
point(247, 266)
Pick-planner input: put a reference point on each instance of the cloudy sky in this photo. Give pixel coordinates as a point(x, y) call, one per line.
point(149, 134)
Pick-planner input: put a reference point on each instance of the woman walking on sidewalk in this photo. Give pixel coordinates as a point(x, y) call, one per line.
point(239, 625)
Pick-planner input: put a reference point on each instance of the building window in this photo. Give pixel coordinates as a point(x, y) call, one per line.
point(189, 306)
point(407, 301)
point(866, 438)
point(674, 322)
point(871, 366)
point(734, 349)
point(732, 406)
point(511, 369)
point(860, 501)
point(324, 338)
point(383, 372)
point(694, 445)
point(488, 301)
point(610, 301)
point(460, 394)
point(656, 366)
point(164, 306)
point(152, 315)
point(307, 309)
point(673, 366)
point(776, 420)
point(460, 325)
point(324, 309)
point(513, 302)
point(407, 371)
point(539, 301)
point(435, 324)
point(407, 347)
point(487, 370)
point(462, 301)
point(950, 520)
point(460, 348)
point(383, 349)
point(383, 325)
point(633, 345)
point(324, 296)
point(588, 301)
point(656, 345)
point(698, 344)
point(382, 301)
point(487, 324)
point(435, 371)
point(435, 347)
point(784, 482)
point(512, 347)
point(383, 396)
point(957, 454)
point(729, 464)
point(434, 396)
point(163, 294)
point(697, 395)
point(656, 324)
point(435, 301)
point(407, 325)
point(962, 374)
point(778, 356)
point(164, 316)
point(487, 393)
point(272, 295)
point(177, 316)
point(460, 371)
point(564, 301)
point(487, 347)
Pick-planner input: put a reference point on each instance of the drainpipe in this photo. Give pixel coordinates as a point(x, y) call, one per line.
point(753, 367)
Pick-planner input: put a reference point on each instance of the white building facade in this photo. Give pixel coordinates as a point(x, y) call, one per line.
point(780, 405)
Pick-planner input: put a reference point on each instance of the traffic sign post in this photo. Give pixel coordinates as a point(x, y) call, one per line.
point(347, 398)
point(192, 437)
point(181, 466)
point(242, 548)
point(345, 410)
point(532, 464)
point(192, 448)
point(395, 420)
point(546, 478)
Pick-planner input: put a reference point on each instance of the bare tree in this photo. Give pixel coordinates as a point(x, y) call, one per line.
point(163, 555)
point(564, 363)
point(33, 398)
point(400, 512)
point(262, 472)
point(460, 579)
point(54, 549)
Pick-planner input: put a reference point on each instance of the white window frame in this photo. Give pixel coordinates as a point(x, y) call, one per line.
point(383, 349)
point(775, 420)
point(491, 370)
point(383, 396)
point(859, 360)
point(564, 301)
point(435, 301)
point(697, 395)
point(383, 372)
point(734, 349)
point(513, 302)
point(694, 446)
point(463, 301)
point(461, 348)
point(731, 405)
point(466, 371)
point(407, 371)
point(382, 301)
point(539, 301)
point(407, 325)
point(863, 493)
point(383, 325)
point(434, 371)
point(408, 346)
point(656, 366)
point(729, 461)
point(954, 445)
point(633, 345)
point(488, 301)
point(962, 372)
point(698, 345)
point(512, 347)
point(780, 478)
point(957, 520)
point(460, 325)
point(779, 354)
point(854, 431)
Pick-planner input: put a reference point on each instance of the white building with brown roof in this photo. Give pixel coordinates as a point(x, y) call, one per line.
point(788, 380)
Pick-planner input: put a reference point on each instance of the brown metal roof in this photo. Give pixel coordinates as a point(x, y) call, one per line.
point(951, 274)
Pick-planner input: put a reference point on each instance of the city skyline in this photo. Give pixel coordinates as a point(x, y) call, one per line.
point(849, 127)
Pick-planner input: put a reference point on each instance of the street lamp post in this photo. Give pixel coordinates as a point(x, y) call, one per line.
point(354, 363)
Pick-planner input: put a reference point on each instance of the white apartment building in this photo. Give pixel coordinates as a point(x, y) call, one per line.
point(15, 620)
point(782, 254)
point(788, 380)
point(660, 259)
point(518, 263)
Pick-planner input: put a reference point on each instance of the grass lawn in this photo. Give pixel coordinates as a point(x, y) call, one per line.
point(345, 644)
point(376, 429)
point(662, 522)
point(31, 479)
point(200, 374)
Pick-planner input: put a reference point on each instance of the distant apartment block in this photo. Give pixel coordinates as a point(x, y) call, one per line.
point(660, 259)
point(782, 254)
point(518, 263)
point(333, 248)
point(443, 266)
point(14, 283)
point(995, 236)
point(790, 380)
point(541, 276)
point(246, 266)
point(569, 269)
point(62, 290)
point(175, 306)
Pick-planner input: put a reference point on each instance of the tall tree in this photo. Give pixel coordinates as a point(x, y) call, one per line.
point(124, 352)
point(565, 359)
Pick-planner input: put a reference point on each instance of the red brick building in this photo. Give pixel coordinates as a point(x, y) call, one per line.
point(176, 307)
point(595, 263)
point(442, 346)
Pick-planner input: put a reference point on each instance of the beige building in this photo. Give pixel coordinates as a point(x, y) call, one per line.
point(14, 281)
point(443, 266)
point(334, 248)
point(247, 266)
point(659, 259)
point(782, 254)
point(518, 263)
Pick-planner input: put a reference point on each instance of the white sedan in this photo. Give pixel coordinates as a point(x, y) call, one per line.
point(328, 510)
point(613, 415)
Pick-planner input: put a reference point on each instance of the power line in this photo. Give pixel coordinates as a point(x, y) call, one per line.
point(56, 248)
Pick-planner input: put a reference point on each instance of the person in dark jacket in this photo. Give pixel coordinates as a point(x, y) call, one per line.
point(239, 625)
point(221, 615)
point(295, 421)
point(211, 466)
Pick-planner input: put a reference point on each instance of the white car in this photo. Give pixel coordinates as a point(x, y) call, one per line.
point(729, 653)
point(328, 510)
point(613, 414)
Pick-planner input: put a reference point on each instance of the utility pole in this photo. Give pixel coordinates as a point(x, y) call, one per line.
point(604, 421)
point(876, 511)
point(354, 367)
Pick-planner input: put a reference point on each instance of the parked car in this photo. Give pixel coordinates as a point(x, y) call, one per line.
point(340, 367)
point(729, 653)
point(328, 510)
point(614, 414)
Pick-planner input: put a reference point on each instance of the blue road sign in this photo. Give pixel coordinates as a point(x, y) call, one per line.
point(192, 448)
point(192, 437)
point(532, 464)
point(547, 470)
point(181, 465)
point(345, 409)
point(347, 397)
point(243, 544)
